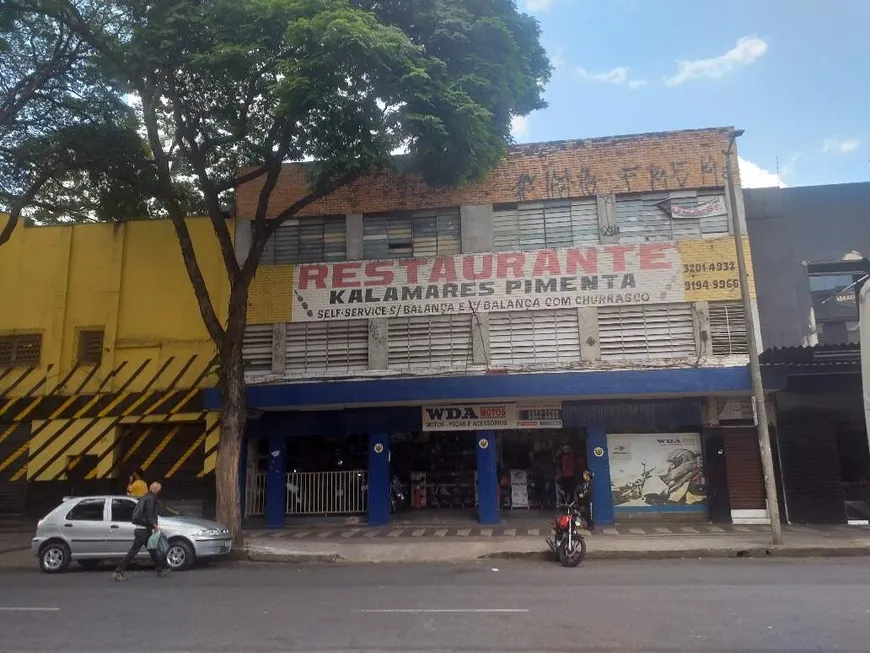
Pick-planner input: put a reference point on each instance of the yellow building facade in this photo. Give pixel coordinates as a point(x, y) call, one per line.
point(103, 357)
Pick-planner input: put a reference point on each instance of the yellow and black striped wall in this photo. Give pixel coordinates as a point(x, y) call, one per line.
point(75, 424)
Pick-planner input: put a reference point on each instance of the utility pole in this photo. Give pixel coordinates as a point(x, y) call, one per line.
point(754, 362)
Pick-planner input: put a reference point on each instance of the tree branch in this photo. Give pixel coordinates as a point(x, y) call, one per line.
point(18, 206)
point(179, 216)
point(267, 228)
point(191, 148)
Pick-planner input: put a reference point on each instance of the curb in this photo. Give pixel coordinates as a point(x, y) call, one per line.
point(290, 557)
point(301, 557)
point(756, 552)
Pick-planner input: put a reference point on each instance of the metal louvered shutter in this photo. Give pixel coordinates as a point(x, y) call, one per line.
point(408, 235)
point(641, 220)
point(534, 338)
point(728, 335)
point(257, 348)
point(332, 346)
point(551, 224)
point(584, 222)
point(714, 225)
point(429, 342)
point(308, 240)
point(743, 466)
point(645, 332)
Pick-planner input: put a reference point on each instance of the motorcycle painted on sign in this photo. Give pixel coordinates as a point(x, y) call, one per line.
point(567, 542)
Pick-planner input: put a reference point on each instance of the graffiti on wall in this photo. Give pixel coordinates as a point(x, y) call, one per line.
point(561, 183)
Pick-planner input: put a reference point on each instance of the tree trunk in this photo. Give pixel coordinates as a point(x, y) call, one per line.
point(233, 414)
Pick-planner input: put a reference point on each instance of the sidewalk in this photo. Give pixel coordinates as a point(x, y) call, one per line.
point(444, 544)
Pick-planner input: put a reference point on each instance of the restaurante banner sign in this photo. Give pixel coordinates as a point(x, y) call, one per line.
point(641, 273)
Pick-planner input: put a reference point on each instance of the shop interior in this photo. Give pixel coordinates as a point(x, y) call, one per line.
point(439, 469)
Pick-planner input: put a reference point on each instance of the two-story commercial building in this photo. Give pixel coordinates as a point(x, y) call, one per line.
point(579, 308)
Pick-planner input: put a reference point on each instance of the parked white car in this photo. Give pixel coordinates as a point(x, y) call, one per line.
point(92, 529)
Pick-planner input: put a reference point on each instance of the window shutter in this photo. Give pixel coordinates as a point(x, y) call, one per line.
point(714, 225)
point(640, 220)
point(90, 347)
point(584, 222)
point(534, 338)
point(337, 346)
point(646, 332)
point(728, 335)
point(376, 237)
point(257, 348)
point(308, 240)
point(23, 350)
point(409, 235)
point(429, 342)
point(551, 224)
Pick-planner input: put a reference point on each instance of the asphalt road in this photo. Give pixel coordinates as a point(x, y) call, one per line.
point(717, 605)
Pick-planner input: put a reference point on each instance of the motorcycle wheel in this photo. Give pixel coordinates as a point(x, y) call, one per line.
point(575, 557)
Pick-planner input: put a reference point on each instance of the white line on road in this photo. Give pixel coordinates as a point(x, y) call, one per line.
point(2, 609)
point(442, 610)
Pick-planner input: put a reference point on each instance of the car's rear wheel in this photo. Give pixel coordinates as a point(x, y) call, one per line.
point(180, 555)
point(54, 557)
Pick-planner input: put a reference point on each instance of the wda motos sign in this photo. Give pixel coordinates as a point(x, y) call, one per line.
point(482, 417)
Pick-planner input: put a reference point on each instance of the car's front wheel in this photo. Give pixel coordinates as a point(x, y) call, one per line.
point(54, 557)
point(180, 555)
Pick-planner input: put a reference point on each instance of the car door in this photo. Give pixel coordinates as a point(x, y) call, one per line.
point(120, 529)
point(85, 527)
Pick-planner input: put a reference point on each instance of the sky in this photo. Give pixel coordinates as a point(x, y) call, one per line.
point(794, 74)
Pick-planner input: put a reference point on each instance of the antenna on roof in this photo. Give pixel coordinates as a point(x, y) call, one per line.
point(778, 180)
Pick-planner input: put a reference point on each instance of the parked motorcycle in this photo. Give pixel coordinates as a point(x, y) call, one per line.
point(567, 542)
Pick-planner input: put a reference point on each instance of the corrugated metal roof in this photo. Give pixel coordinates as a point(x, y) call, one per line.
point(817, 356)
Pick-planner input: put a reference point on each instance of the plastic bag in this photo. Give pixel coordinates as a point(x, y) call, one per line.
point(158, 542)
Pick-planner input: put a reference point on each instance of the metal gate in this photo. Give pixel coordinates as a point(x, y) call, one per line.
point(255, 495)
point(327, 493)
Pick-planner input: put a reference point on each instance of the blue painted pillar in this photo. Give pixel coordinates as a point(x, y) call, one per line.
point(276, 482)
point(599, 465)
point(487, 479)
point(379, 479)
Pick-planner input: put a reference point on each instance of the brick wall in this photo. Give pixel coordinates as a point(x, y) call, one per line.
point(579, 168)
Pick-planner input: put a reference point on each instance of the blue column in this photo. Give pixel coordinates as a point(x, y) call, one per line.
point(276, 482)
point(599, 465)
point(487, 479)
point(379, 479)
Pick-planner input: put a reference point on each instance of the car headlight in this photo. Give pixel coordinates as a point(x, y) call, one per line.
point(208, 532)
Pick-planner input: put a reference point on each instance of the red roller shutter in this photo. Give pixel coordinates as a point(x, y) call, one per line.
point(743, 465)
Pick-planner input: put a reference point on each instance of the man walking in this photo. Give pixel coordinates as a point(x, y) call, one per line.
point(584, 498)
point(145, 520)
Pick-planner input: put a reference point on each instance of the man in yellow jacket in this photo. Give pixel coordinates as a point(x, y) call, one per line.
point(137, 487)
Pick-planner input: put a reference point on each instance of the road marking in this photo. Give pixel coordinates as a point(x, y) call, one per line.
point(463, 532)
point(29, 609)
point(445, 610)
